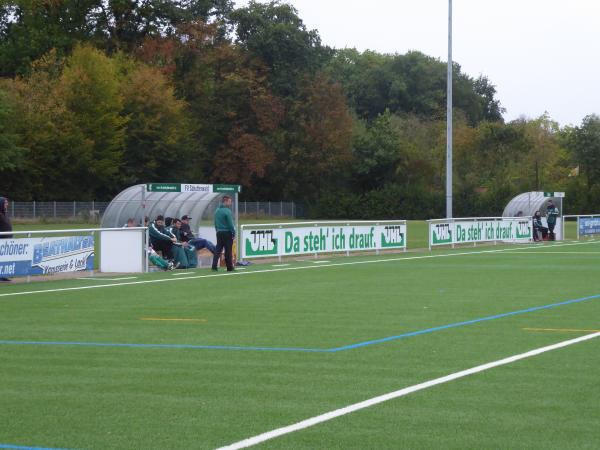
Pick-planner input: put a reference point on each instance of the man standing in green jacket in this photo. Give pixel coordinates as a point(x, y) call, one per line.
point(225, 233)
point(551, 215)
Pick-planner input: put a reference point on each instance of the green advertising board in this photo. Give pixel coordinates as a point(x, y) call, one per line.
point(189, 187)
point(163, 187)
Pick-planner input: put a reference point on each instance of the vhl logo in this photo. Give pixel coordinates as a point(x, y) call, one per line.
point(392, 236)
point(261, 242)
point(523, 230)
point(442, 233)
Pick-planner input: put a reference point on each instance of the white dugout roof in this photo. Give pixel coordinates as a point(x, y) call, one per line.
point(128, 204)
point(528, 203)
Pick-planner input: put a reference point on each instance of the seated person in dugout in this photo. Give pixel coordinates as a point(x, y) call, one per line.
point(187, 235)
point(540, 232)
point(155, 259)
point(160, 240)
point(185, 255)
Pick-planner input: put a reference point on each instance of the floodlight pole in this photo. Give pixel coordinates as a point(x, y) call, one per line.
point(449, 119)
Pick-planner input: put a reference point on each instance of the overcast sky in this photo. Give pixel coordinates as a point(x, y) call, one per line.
point(542, 55)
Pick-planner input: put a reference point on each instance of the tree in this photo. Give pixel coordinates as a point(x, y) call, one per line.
point(376, 150)
point(10, 152)
point(413, 83)
point(275, 33)
point(50, 141)
point(90, 86)
point(316, 154)
point(158, 144)
point(584, 143)
point(31, 28)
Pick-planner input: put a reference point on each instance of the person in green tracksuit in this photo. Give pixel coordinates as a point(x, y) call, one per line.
point(179, 255)
point(551, 216)
point(189, 252)
point(225, 229)
point(160, 239)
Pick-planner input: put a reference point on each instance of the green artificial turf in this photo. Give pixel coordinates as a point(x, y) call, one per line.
point(66, 396)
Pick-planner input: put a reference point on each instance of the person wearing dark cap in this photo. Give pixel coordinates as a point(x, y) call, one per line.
point(187, 235)
point(5, 225)
point(225, 229)
point(551, 215)
point(186, 232)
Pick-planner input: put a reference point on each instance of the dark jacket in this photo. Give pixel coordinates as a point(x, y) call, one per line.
point(5, 224)
point(158, 233)
point(552, 214)
point(186, 232)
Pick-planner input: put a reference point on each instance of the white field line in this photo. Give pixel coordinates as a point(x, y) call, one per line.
point(552, 253)
point(320, 262)
point(281, 269)
point(106, 279)
point(280, 265)
point(182, 273)
point(400, 393)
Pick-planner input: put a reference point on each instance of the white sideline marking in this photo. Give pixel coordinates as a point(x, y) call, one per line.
point(280, 265)
point(400, 393)
point(106, 279)
point(319, 262)
point(182, 273)
point(552, 253)
point(282, 269)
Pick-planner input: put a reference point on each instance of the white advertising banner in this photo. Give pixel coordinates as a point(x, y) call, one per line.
point(274, 241)
point(480, 230)
point(44, 256)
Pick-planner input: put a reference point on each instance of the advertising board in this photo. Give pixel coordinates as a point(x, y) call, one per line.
point(275, 241)
point(45, 256)
point(480, 230)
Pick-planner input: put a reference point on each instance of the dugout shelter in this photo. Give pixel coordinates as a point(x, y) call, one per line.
point(198, 201)
point(527, 203)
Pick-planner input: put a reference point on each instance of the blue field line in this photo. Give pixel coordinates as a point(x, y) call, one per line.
point(21, 447)
point(460, 324)
point(180, 346)
point(307, 350)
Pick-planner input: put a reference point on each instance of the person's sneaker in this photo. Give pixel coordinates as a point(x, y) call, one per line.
point(170, 266)
point(177, 264)
point(214, 269)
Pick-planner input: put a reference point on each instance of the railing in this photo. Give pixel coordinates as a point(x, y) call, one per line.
point(472, 230)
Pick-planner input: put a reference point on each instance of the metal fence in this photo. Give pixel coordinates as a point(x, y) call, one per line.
point(58, 210)
point(272, 209)
point(93, 211)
